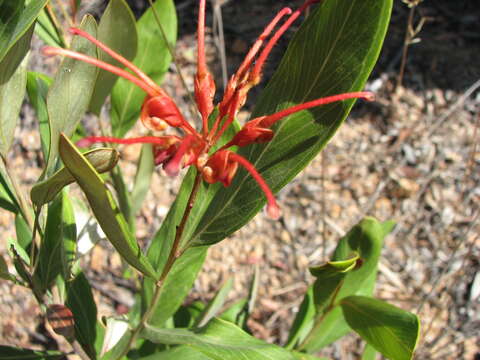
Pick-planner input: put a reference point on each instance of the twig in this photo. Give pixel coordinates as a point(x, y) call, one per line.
point(172, 257)
point(218, 25)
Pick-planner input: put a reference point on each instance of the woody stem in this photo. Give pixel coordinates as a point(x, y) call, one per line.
point(172, 257)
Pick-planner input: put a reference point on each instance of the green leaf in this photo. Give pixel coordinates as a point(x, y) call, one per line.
point(15, 20)
point(333, 52)
point(37, 90)
point(102, 160)
point(390, 330)
point(303, 320)
point(369, 352)
point(143, 177)
point(152, 57)
point(104, 207)
point(7, 198)
point(11, 353)
point(303, 356)
point(80, 301)
point(13, 79)
point(71, 91)
point(183, 352)
point(176, 286)
point(214, 305)
point(219, 339)
point(117, 30)
point(329, 280)
point(23, 232)
point(47, 31)
point(60, 238)
point(123, 196)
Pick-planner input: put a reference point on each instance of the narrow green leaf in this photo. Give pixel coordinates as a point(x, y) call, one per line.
point(214, 305)
point(152, 57)
point(37, 89)
point(12, 353)
point(15, 20)
point(390, 330)
point(13, 81)
point(102, 160)
point(219, 339)
point(71, 91)
point(23, 232)
point(104, 207)
point(117, 30)
point(235, 313)
point(143, 177)
point(7, 198)
point(123, 196)
point(59, 239)
point(303, 321)
point(46, 30)
point(303, 356)
point(80, 301)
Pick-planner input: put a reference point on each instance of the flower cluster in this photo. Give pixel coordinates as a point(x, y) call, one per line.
point(160, 112)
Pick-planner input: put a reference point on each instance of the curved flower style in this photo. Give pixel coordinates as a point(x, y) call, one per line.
point(195, 147)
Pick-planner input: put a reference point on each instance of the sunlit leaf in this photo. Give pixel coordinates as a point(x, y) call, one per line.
point(71, 91)
point(104, 207)
point(117, 30)
point(152, 57)
point(390, 330)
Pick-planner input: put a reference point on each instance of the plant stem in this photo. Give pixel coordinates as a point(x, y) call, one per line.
point(406, 44)
point(172, 257)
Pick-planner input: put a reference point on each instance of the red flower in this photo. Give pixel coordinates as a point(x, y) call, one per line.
point(159, 111)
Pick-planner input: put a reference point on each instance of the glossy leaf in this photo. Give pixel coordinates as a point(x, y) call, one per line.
point(390, 330)
point(60, 231)
point(13, 80)
point(364, 239)
point(10, 353)
point(104, 208)
point(37, 90)
point(71, 91)
point(118, 31)
point(15, 20)
point(102, 160)
point(80, 301)
point(215, 304)
point(183, 352)
point(333, 52)
point(152, 57)
point(219, 339)
point(143, 177)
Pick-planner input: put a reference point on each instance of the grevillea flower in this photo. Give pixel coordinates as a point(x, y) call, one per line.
point(194, 147)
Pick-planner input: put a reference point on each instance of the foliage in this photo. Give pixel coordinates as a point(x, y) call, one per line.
point(314, 88)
